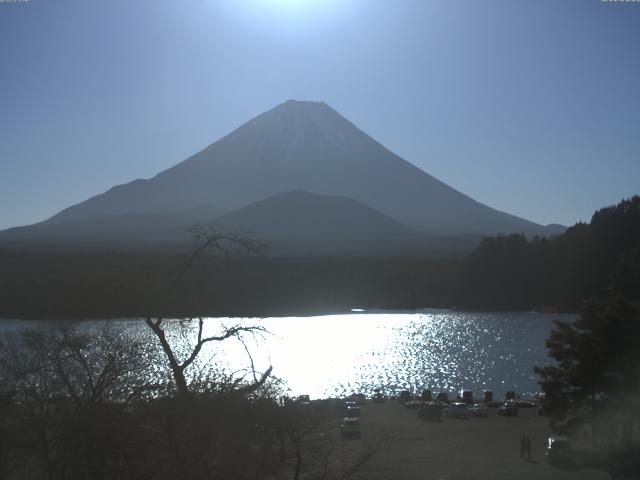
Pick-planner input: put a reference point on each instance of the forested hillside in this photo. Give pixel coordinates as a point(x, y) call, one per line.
point(561, 272)
point(504, 272)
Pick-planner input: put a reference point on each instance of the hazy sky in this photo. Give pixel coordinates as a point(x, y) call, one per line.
point(529, 107)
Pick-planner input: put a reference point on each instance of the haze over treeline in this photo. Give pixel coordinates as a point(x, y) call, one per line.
point(504, 272)
point(341, 222)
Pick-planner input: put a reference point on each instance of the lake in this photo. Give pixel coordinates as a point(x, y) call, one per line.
point(335, 355)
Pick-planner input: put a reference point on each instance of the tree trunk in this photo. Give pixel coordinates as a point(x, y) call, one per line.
point(176, 369)
point(296, 475)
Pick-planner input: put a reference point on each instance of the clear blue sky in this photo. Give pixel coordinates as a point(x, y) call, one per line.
point(530, 107)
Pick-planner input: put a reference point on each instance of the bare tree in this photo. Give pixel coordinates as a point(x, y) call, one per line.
point(208, 241)
point(178, 367)
point(319, 451)
point(64, 394)
point(352, 466)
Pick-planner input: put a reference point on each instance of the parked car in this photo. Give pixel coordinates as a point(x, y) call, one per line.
point(442, 397)
point(350, 428)
point(479, 410)
point(558, 449)
point(378, 397)
point(405, 396)
point(508, 409)
point(303, 400)
point(352, 410)
point(457, 410)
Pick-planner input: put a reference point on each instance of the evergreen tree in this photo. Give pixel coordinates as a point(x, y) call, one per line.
point(597, 355)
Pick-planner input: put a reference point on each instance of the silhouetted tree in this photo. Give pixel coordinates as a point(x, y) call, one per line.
point(208, 241)
point(178, 367)
point(515, 272)
point(63, 401)
point(597, 355)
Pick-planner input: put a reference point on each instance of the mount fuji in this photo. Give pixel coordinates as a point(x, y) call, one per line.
point(297, 147)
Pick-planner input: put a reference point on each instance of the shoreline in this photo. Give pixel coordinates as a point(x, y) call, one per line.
point(294, 313)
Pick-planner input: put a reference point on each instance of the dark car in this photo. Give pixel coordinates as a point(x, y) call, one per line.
point(442, 397)
point(467, 396)
point(405, 396)
point(352, 410)
point(508, 409)
point(350, 428)
point(457, 410)
point(303, 400)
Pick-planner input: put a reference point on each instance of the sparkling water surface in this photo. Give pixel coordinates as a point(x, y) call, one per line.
point(336, 355)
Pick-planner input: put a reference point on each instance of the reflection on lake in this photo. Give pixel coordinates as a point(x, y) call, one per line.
point(335, 355)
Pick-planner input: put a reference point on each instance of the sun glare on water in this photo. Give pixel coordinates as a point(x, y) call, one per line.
point(336, 355)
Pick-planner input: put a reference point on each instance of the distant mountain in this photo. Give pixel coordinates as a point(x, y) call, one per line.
point(293, 147)
point(299, 222)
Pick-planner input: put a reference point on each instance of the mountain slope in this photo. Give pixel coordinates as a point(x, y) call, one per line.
point(126, 231)
point(292, 223)
point(303, 146)
point(299, 222)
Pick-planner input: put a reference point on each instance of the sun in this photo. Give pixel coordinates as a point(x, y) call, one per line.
point(292, 4)
point(298, 13)
point(287, 20)
point(289, 3)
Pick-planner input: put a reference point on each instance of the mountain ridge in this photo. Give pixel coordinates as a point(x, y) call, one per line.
point(302, 146)
point(300, 222)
